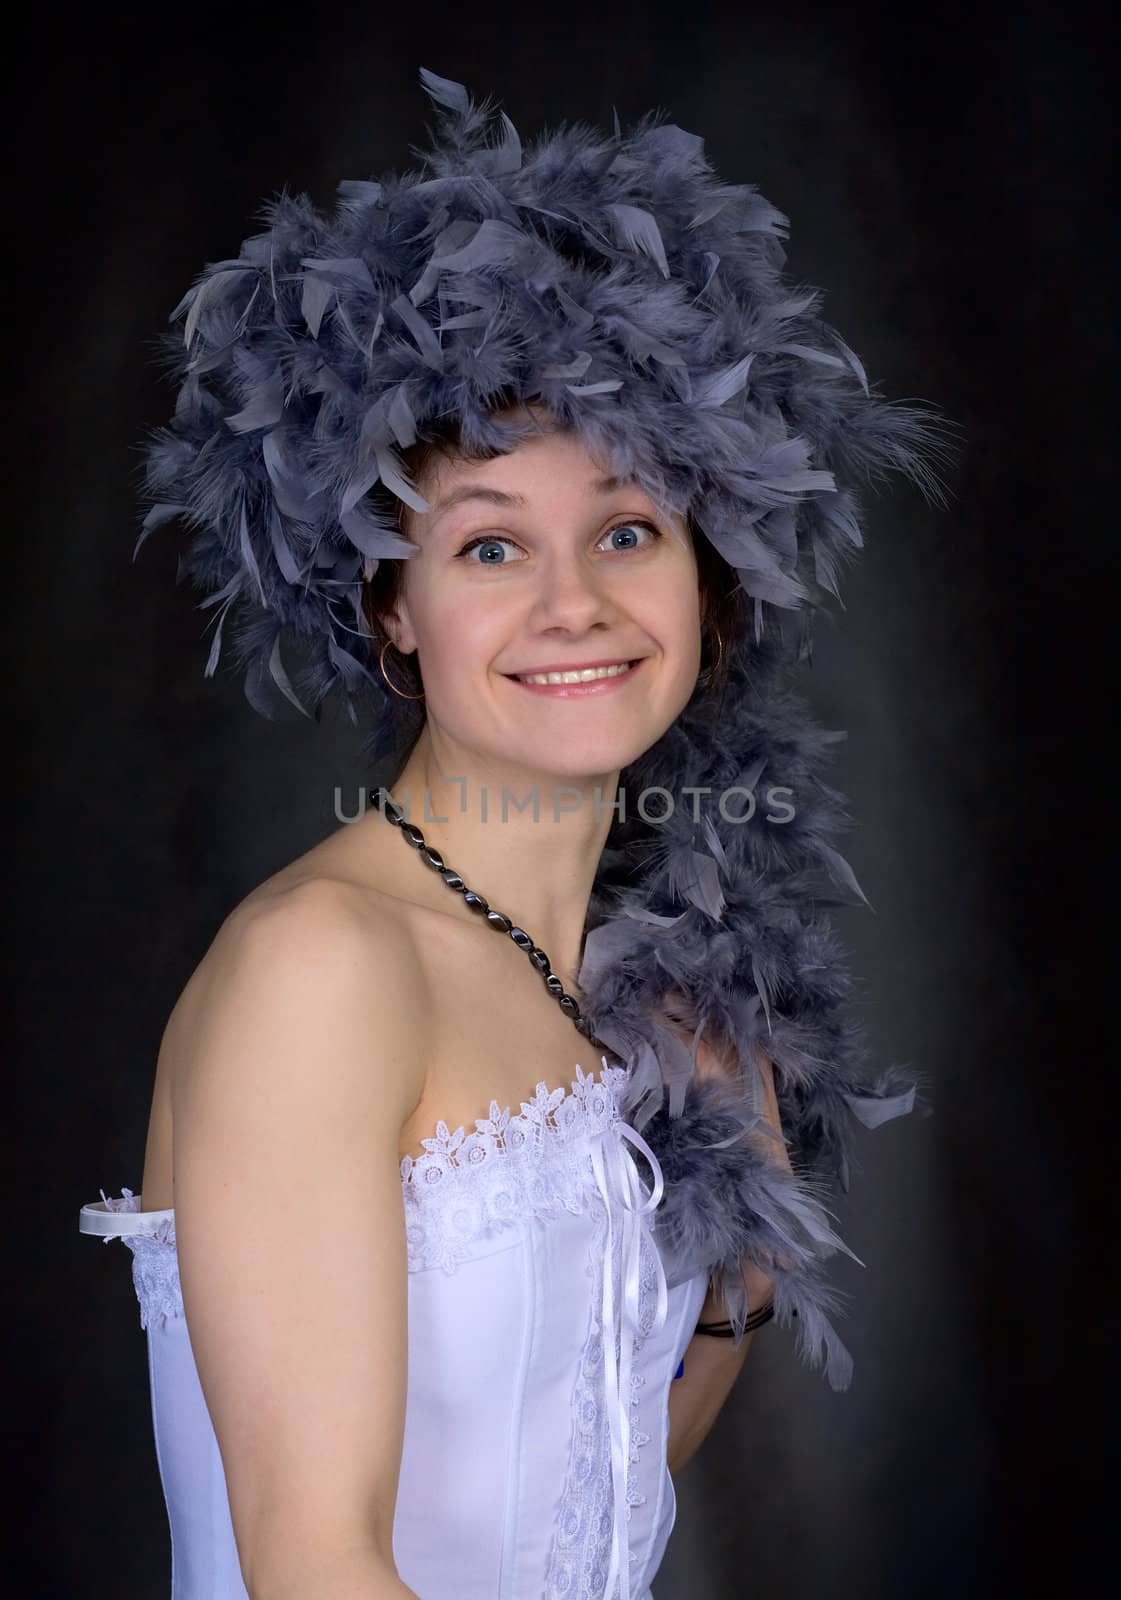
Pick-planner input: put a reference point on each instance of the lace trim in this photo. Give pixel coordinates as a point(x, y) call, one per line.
point(531, 1164)
point(647, 1304)
point(464, 1187)
point(155, 1263)
point(580, 1551)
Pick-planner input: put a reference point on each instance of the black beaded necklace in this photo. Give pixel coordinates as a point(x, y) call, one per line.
point(502, 924)
point(494, 919)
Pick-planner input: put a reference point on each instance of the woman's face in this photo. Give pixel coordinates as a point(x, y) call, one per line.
point(537, 562)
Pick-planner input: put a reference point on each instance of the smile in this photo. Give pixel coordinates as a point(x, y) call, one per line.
point(579, 683)
point(580, 675)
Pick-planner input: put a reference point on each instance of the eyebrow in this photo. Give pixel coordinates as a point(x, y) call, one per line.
point(500, 497)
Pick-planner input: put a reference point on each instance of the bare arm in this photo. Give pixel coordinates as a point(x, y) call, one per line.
point(294, 1069)
point(712, 1365)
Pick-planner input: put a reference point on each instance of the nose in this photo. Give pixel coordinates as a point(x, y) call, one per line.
point(571, 598)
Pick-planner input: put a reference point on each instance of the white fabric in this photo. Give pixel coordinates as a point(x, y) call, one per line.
point(542, 1344)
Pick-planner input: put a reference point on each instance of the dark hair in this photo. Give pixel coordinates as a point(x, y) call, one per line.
point(724, 605)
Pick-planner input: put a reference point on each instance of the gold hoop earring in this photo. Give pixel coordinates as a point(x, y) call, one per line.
point(385, 675)
point(714, 667)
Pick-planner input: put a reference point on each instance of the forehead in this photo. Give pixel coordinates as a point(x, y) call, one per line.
point(541, 466)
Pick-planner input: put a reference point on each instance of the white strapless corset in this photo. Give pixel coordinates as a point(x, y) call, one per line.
point(542, 1343)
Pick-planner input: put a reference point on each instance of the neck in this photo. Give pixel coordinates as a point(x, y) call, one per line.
point(528, 842)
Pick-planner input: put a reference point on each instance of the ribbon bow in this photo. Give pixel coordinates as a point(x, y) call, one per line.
point(619, 1184)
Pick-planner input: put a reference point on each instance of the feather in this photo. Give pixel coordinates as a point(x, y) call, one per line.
point(375, 539)
point(807, 352)
point(575, 368)
point(606, 386)
point(394, 477)
point(291, 491)
point(714, 844)
point(758, 977)
point(358, 193)
point(360, 484)
point(466, 319)
point(248, 556)
point(448, 240)
point(580, 317)
point(254, 688)
point(317, 296)
point(280, 677)
point(850, 356)
point(721, 386)
point(211, 289)
point(873, 1112)
point(399, 415)
point(216, 643)
point(282, 551)
point(346, 269)
point(712, 261)
point(637, 229)
point(228, 591)
point(264, 408)
point(642, 914)
point(350, 669)
point(506, 156)
point(842, 872)
point(445, 92)
point(427, 343)
point(673, 144)
point(693, 876)
point(493, 244)
point(163, 511)
point(841, 515)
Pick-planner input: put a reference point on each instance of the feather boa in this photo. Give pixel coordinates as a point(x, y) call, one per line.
point(731, 918)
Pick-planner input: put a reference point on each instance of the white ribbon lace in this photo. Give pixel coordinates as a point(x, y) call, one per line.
point(615, 1171)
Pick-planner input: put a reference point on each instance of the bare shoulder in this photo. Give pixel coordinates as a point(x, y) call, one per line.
point(318, 958)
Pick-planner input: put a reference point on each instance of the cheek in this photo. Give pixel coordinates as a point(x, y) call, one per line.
point(674, 620)
point(456, 637)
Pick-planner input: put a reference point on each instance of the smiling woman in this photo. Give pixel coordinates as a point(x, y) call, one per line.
point(527, 416)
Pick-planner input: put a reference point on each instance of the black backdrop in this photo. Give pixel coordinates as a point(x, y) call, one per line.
point(946, 182)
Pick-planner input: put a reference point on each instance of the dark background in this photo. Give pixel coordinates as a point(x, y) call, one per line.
point(947, 175)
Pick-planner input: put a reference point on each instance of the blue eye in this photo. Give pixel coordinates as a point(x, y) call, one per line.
point(625, 527)
point(484, 541)
point(489, 541)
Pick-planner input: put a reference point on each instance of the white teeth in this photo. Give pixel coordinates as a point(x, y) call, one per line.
point(587, 676)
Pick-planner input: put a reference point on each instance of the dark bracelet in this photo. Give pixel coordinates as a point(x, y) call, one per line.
point(724, 1330)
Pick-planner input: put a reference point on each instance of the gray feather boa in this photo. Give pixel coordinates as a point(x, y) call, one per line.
point(732, 920)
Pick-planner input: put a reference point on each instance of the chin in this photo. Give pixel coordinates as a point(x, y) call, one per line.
point(582, 762)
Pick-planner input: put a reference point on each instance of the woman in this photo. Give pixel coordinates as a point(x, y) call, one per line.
point(490, 426)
